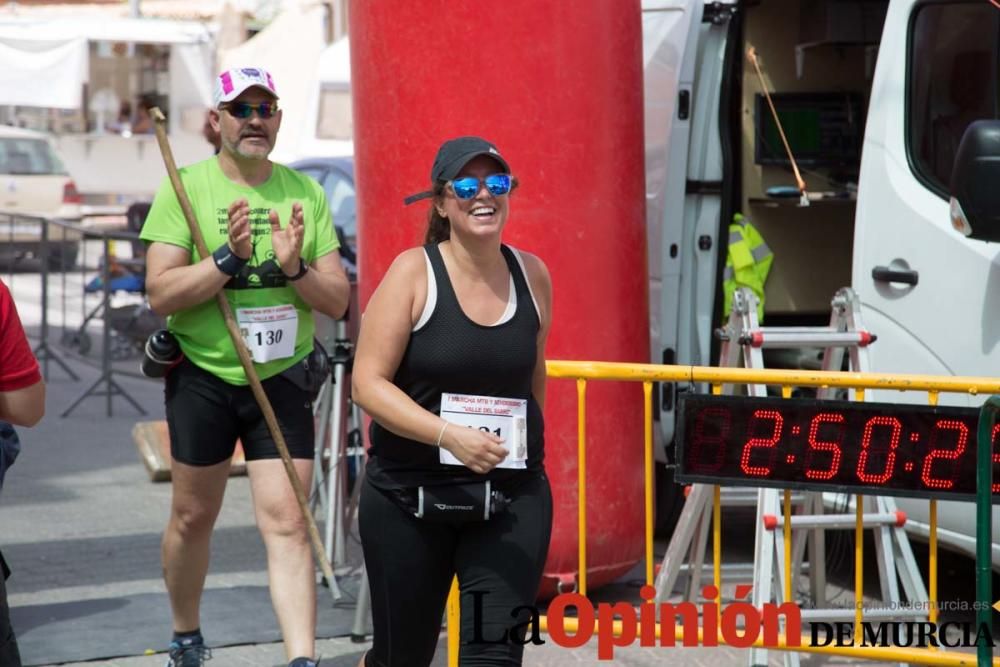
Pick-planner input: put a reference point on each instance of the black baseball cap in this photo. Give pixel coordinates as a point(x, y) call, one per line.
point(452, 156)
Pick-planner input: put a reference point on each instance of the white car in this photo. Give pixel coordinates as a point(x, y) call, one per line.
point(34, 182)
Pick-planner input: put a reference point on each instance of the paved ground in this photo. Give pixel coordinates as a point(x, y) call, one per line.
point(342, 653)
point(81, 520)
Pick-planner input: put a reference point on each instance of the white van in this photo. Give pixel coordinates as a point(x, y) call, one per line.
point(874, 96)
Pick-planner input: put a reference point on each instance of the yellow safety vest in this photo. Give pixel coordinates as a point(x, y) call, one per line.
point(748, 262)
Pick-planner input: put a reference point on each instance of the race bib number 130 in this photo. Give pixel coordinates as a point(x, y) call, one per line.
point(506, 418)
point(269, 332)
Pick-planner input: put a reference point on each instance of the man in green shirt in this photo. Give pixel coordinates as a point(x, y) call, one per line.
point(276, 261)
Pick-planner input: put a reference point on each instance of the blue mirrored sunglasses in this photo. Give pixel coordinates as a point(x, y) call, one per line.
point(243, 110)
point(467, 187)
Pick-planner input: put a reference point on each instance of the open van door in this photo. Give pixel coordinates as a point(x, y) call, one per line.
point(687, 80)
point(929, 293)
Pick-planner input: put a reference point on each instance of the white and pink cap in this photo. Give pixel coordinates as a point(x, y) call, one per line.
point(230, 84)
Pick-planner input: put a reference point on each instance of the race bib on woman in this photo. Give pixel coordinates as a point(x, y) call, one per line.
point(506, 418)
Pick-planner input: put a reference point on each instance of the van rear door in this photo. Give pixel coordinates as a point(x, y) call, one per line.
point(685, 66)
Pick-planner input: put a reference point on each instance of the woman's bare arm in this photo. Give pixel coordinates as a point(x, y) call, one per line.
point(382, 341)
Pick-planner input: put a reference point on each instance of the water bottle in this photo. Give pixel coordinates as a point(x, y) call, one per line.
point(162, 352)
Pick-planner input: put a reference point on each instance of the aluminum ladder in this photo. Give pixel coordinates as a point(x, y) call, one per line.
point(742, 341)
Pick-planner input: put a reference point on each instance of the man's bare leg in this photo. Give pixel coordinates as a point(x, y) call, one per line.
point(290, 566)
point(195, 504)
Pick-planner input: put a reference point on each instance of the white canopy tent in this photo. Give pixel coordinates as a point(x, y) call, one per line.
point(45, 74)
point(45, 63)
point(328, 128)
point(329, 108)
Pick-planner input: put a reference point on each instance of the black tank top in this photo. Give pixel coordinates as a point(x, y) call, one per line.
point(451, 353)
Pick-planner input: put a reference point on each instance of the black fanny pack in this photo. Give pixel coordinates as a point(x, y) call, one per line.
point(310, 373)
point(453, 503)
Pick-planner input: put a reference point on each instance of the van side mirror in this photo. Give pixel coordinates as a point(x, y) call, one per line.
point(975, 182)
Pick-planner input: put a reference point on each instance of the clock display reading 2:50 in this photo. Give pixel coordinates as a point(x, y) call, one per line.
point(896, 449)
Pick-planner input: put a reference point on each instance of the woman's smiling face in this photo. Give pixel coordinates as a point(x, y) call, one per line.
point(485, 213)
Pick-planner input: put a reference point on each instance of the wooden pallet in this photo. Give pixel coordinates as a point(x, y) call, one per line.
point(152, 440)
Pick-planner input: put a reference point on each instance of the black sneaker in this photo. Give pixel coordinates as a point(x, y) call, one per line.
point(303, 662)
point(188, 652)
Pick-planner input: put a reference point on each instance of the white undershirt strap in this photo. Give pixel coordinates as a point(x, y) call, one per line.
point(508, 312)
point(527, 281)
point(432, 294)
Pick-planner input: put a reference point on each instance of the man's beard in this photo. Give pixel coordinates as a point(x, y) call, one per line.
point(234, 147)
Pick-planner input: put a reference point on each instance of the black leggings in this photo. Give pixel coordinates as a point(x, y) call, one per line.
point(411, 563)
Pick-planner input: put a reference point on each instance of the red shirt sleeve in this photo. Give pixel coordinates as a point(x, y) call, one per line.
point(18, 366)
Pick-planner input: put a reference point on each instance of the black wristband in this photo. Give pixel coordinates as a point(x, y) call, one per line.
point(227, 261)
point(303, 270)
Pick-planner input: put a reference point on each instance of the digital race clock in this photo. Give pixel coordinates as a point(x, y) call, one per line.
point(874, 448)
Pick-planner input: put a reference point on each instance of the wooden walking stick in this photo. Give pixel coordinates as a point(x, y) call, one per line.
point(244, 354)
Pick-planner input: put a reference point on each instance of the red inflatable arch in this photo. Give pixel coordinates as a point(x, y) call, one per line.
point(558, 88)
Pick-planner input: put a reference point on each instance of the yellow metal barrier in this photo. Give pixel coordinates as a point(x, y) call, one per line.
point(647, 432)
point(581, 453)
point(453, 614)
point(932, 555)
point(582, 371)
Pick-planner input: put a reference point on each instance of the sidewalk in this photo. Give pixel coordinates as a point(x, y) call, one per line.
point(341, 652)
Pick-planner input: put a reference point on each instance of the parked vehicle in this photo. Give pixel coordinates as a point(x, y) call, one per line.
point(874, 97)
point(34, 182)
point(336, 175)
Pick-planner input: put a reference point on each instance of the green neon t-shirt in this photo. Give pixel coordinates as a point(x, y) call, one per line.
point(201, 330)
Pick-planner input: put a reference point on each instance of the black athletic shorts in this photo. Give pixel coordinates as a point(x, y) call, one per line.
point(205, 416)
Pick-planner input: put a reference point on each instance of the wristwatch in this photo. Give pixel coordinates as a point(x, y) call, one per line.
point(303, 270)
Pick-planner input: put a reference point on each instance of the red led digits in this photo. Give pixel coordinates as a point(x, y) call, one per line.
point(768, 443)
point(947, 454)
point(719, 421)
point(816, 445)
point(866, 440)
point(914, 450)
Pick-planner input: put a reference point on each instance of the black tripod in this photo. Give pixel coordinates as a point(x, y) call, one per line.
point(337, 446)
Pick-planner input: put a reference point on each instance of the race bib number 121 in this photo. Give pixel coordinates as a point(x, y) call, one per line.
point(506, 418)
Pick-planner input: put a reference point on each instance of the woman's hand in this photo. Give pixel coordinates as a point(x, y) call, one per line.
point(478, 450)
